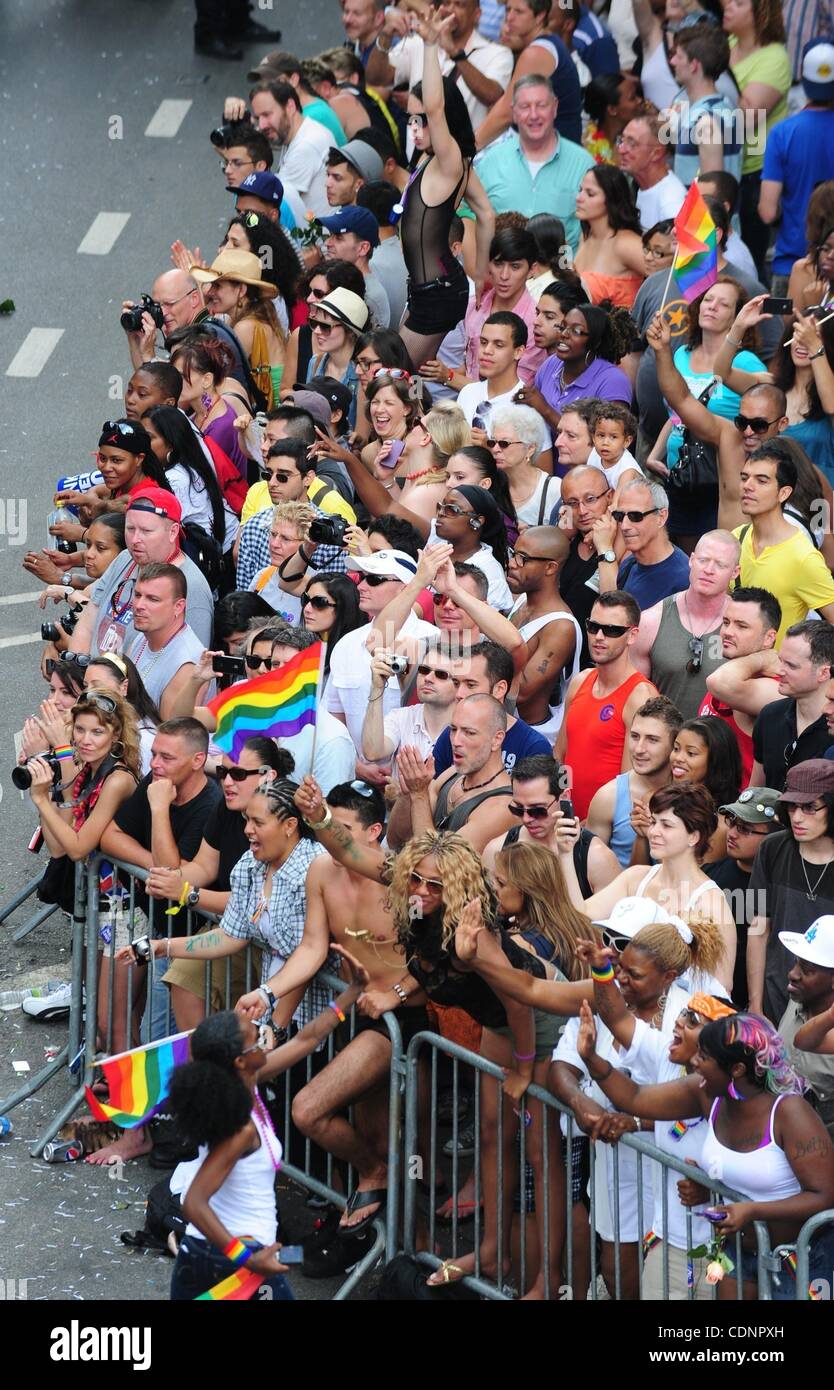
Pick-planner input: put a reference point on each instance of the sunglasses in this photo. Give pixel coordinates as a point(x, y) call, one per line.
point(452, 509)
point(396, 373)
point(696, 646)
point(756, 423)
point(432, 670)
point(257, 663)
point(538, 812)
point(733, 823)
point(439, 599)
point(689, 1018)
point(362, 788)
point(117, 425)
point(77, 658)
point(418, 881)
point(374, 580)
point(317, 601)
point(102, 702)
point(422, 120)
point(520, 557)
point(613, 939)
point(607, 629)
point(321, 326)
point(634, 516)
point(280, 475)
point(502, 444)
point(239, 774)
point(266, 1040)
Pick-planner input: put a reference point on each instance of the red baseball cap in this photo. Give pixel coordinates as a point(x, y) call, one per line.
point(155, 499)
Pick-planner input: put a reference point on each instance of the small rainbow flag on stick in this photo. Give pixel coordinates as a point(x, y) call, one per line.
point(240, 1285)
point(276, 705)
point(695, 266)
point(139, 1081)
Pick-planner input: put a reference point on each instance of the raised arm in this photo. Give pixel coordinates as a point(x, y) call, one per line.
point(369, 489)
point(704, 425)
point(477, 199)
point(446, 149)
point(339, 843)
point(746, 683)
point(747, 317)
point(491, 624)
point(389, 622)
point(673, 1100)
point(482, 952)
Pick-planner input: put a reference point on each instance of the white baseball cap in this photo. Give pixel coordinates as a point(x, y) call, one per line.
point(817, 944)
point(632, 914)
point(818, 70)
point(392, 564)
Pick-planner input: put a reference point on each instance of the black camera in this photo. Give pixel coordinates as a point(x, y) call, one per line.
point(22, 777)
point(66, 547)
point(131, 319)
point(228, 133)
point(50, 632)
point(328, 530)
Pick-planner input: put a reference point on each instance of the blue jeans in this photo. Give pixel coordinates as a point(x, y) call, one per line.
point(783, 1283)
point(156, 1023)
point(199, 1266)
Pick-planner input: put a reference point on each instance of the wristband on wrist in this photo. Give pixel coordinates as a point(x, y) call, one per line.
point(814, 355)
point(380, 47)
point(239, 1252)
point(320, 824)
point(180, 903)
point(63, 750)
point(337, 1011)
point(733, 341)
point(524, 1056)
point(400, 992)
point(602, 977)
point(605, 1075)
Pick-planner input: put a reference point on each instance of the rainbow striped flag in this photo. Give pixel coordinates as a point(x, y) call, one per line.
point(240, 1285)
point(277, 704)
point(139, 1081)
point(695, 266)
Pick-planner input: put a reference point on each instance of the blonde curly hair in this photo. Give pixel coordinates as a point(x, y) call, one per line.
point(537, 874)
point(669, 951)
point(463, 876)
point(122, 722)
point(297, 514)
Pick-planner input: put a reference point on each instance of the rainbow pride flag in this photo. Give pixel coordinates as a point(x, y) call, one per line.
point(695, 266)
point(139, 1081)
point(276, 705)
point(240, 1285)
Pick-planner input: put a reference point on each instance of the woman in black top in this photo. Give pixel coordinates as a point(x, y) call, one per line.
point(438, 290)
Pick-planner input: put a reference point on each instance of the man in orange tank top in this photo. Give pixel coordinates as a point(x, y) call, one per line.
point(601, 702)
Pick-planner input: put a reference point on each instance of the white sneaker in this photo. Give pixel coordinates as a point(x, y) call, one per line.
point(49, 1005)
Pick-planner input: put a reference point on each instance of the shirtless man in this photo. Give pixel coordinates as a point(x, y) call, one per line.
point(349, 909)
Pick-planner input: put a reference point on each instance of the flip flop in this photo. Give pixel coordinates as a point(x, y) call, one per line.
point(466, 1211)
point(359, 1200)
point(445, 1270)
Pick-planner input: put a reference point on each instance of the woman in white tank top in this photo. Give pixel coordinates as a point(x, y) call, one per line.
point(763, 1140)
point(228, 1191)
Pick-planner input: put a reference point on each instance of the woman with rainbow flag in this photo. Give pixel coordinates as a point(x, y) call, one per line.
point(228, 1192)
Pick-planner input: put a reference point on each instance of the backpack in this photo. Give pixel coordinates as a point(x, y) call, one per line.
point(404, 1279)
point(163, 1218)
point(205, 551)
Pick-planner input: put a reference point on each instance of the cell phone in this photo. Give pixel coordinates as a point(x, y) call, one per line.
point(393, 455)
point(778, 306)
point(566, 807)
point(713, 1215)
point(228, 665)
point(291, 1254)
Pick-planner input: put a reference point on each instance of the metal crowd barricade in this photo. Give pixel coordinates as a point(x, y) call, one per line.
point(420, 1235)
point(42, 913)
point(91, 965)
point(804, 1288)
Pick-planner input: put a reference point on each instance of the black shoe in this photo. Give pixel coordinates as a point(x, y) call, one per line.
point(324, 1261)
point(465, 1144)
point(216, 48)
point(169, 1148)
point(254, 32)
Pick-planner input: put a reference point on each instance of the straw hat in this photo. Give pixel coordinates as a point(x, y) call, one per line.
point(243, 267)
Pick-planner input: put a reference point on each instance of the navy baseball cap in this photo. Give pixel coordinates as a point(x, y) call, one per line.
point(353, 219)
point(268, 187)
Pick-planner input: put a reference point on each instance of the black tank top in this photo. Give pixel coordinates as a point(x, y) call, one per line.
point(436, 970)
point(424, 232)
point(580, 856)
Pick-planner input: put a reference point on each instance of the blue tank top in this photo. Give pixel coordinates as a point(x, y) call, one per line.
point(566, 88)
point(622, 833)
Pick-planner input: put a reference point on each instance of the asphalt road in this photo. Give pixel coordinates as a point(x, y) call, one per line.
point(74, 74)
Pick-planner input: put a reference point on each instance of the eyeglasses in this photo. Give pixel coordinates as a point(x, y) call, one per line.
point(537, 812)
point(503, 444)
point(520, 557)
point(689, 1018)
point(266, 1040)
point(235, 164)
point(257, 663)
point(657, 253)
point(368, 364)
point(432, 670)
point(317, 601)
point(117, 425)
point(418, 881)
point(422, 120)
point(321, 327)
point(102, 702)
point(568, 330)
point(374, 580)
point(733, 823)
point(756, 423)
point(439, 599)
point(396, 373)
point(452, 509)
point(634, 517)
point(607, 629)
point(587, 501)
point(169, 303)
point(810, 807)
point(280, 475)
point(239, 774)
point(696, 646)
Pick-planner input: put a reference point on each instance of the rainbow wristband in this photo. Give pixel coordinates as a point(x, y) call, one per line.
point(602, 977)
point(238, 1251)
point(337, 1011)
point(64, 750)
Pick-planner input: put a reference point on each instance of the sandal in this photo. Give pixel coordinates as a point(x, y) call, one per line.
point(445, 1271)
point(374, 1196)
point(465, 1211)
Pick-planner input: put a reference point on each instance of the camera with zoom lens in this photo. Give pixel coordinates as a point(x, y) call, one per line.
point(22, 777)
point(131, 319)
point(328, 530)
point(223, 135)
point(50, 632)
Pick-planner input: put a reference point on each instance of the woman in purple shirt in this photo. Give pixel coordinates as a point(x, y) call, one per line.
point(590, 342)
point(205, 363)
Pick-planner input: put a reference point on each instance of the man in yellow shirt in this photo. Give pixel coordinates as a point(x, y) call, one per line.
point(776, 555)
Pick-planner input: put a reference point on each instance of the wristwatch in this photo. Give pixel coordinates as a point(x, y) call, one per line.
point(608, 556)
point(192, 898)
point(271, 1001)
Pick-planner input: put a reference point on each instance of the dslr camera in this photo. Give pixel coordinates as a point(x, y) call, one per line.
point(131, 319)
point(50, 632)
point(328, 530)
point(223, 135)
point(22, 777)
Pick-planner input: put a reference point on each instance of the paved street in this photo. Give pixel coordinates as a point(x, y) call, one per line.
point(86, 220)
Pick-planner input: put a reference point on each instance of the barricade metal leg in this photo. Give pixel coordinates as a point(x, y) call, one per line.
point(38, 920)
point(8, 908)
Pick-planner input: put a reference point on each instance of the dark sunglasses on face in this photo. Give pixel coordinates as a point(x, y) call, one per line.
point(452, 509)
point(417, 881)
point(317, 601)
point(239, 774)
point(432, 670)
point(537, 812)
point(634, 517)
point(321, 326)
point(607, 629)
point(279, 476)
point(439, 599)
point(374, 580)
point(756, 423)
point(502, 444)
point(256, 663)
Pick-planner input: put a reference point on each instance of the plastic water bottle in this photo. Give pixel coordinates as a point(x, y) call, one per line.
point(13, 998)
point(62, 1151)
point(6, 1127)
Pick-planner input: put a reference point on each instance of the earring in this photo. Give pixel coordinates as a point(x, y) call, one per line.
point(733, 1093)
point(205, 400)
point(588, 358)
point(475, 523)
point(118, 749)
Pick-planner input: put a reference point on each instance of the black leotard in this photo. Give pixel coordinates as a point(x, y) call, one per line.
point(424, 232)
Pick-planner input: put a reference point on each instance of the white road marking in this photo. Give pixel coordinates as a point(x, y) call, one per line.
point(105, 231)
point(167, 120)
point(9, 599)
point(20, 641)
point(34, 352)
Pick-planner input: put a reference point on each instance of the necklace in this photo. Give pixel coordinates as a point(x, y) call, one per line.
point(811, 895)
point(689, 620)
point(411, 477)
point(268, 1129)
point(477, 785)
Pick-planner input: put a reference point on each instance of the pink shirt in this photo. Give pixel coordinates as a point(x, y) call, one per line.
point(532, 357)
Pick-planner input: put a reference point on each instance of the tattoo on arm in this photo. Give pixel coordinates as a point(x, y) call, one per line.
point(816, 1145)
point(543, 666)
point(345, 841)
point(212, 938)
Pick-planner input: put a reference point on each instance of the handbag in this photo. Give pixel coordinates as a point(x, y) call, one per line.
point(697, 468)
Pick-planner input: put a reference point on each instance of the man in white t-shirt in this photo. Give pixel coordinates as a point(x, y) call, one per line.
point(348, 689)
point(481, 69)
point(304, 143)
point(501, 344)
point(416, 726)
point(643, 154)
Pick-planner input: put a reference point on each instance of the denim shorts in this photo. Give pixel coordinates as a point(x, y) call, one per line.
point(783, 1283)
point(437, 307)
point(199, 1266)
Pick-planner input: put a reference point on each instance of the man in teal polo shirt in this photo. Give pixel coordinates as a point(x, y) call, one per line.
point(534, 169)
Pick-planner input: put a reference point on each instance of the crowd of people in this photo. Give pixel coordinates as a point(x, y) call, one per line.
point(438, 404)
